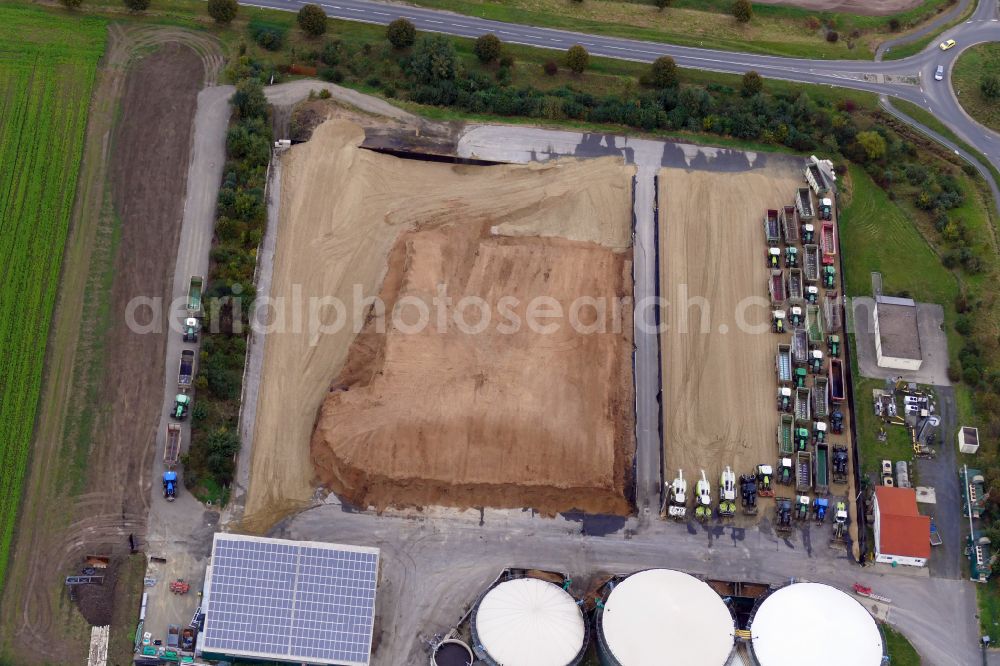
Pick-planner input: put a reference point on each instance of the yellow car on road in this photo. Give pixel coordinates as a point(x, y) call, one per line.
point(947, 45)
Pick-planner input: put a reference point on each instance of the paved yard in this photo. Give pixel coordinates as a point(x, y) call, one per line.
point(933, 343)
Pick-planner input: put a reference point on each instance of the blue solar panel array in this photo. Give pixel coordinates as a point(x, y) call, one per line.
point(289, 599)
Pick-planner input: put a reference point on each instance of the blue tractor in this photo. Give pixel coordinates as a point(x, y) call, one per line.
point(820, 505)
point(170, 485)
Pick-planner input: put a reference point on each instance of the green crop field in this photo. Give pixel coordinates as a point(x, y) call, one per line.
point(47, 67)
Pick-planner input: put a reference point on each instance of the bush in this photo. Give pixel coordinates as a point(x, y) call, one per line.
point(312, 20)
point(832, 36)
point(71, 4)
point(971, 376)
point(663, 4)
point(577, 59)
point(743, 11)
point(894, 24)
point(507, 61)
point(249, 99)
point(136, 5)
point(270, 37)
point(487, 48)
point(963, 325)
point(953, 374)
point(331, 74)
point(989, 85)
point(663, 72)
point(753, 83)
point(813, 23)
point(550, 67)
point(401, 34)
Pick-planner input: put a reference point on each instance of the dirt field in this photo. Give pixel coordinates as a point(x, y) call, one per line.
point(95, 467)
point(867, 7)
point(718, 387)
point(342, 212)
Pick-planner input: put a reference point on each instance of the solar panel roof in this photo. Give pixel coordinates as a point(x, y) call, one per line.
point(292, 600)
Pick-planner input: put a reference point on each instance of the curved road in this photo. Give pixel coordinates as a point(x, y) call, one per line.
point(911, 78)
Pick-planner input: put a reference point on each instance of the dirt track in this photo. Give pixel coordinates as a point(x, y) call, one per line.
point(718, 401)
point(868, 7)
point(94, 466)
point(333, 237)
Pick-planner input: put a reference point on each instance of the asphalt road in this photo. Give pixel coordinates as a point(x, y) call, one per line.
point(910, 78)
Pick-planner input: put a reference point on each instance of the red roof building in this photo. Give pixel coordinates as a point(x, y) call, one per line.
point(902, 535)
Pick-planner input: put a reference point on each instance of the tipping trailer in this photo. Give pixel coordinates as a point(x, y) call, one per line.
point(836, 380)
point(185, 370)
point(776, 287)
point(821, 403)
point(790, 224)
point(783, 364)
point(814, 323)
point(811, 261)
point(802, 405)
point(831, 312)
point(795, 290)
point(194, 295)
point(772, 229)
point(822, 480)
point(172, 446)
point(816, 179)
point(785, 426)
point(803, 204)
point(803, 471)
point(828, 242)
point(800, 346)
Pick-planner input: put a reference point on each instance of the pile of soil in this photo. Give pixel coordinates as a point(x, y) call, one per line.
point(343, 211)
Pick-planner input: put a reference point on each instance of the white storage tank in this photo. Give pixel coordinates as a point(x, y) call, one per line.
point(661, 617)
point(528, 622)
point(815, 624)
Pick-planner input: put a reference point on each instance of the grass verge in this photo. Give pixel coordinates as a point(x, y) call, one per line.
point(973, 68)
point(901, 652)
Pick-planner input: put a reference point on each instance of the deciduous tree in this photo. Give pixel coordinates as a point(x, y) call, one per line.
point(401, 33)
point(312, 20)
point(663, 72)
point(223, 11)
point(753, 83)
point(577, 58)
point(488, 48)
point(743, 11)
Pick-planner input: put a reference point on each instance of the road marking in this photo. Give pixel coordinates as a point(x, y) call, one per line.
point(433, 21)
point(380, 13)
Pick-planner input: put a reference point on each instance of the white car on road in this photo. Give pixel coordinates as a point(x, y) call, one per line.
point(939, 73)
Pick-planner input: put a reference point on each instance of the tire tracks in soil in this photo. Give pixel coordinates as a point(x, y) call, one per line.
point(55, 530)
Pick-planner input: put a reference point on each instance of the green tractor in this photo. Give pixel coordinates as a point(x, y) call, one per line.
point(800, 377)
point(812, 295)
point(792, 256)
point(801, 439)
point(802, 507)
point(829, 277)
point(816, 362)
point(796, 318)
point(784, 399)
point(819, 431)
point(808, 234)
point(181, 405)
point(833, 345)
point(785, 472)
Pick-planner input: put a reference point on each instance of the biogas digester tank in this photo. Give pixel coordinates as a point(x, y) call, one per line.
point(664, 617)
point(528, 622)
point(812, 623)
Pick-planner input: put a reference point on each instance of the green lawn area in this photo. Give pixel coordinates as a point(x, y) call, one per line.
point(901, 653)
point(775, 29)
point(878, 236)
point(972, 65)
point(988, 596)
point(46, 74)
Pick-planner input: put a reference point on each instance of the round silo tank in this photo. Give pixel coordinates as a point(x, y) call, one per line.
point(813, 623)
point(528, 622)
point(661, 617)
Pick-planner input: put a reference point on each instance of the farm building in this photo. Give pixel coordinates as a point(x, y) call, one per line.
point(902, 535)
point(897, 339)
point(288, 601)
